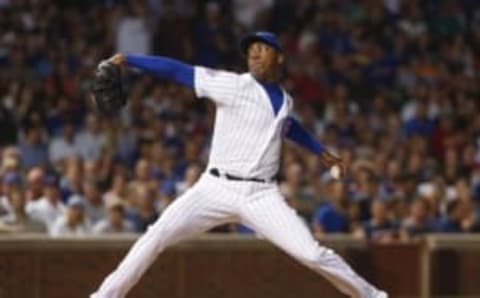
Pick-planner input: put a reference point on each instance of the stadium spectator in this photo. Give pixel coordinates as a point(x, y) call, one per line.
point(367, 188)
point(420, 125)
point(73, 222)
point(63, 147)
point(451, 221)
point(419, 221)
point(91, 141)
point(71, 181)
point(90, 169)
point(11, 160)
point(143, 175)
point(33, 148)
point(35, 183)
point(49, 207)
point(18, 220)
point(134, 30)
point(115, 222)
point(118, 191)
point(143, 212)
point(380, 227)
point(247, 13)
point(94, 205)
point(333, 217)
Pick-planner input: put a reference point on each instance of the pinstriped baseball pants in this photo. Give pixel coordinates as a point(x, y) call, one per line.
point(213, 201)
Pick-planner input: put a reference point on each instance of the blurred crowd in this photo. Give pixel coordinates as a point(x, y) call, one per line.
point(390, 85)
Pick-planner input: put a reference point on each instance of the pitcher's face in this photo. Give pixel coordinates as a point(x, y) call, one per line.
point(263, 60)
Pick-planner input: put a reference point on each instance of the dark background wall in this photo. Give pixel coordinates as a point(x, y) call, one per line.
point(227, 267)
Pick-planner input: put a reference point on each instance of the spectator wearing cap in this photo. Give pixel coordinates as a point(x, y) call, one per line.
point(144, 212)
point(50, 207)
point(10, 182)
point(332, 217)
point(33, 150)
point(35, 180)
point(94, 206)
point(116, 221)
point(74, 221)
point(18, 220)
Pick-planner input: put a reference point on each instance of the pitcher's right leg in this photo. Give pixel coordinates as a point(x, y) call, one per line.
point(192, 213)
point(269, 214)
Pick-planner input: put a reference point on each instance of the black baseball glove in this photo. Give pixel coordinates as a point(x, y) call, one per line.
point(108, 93)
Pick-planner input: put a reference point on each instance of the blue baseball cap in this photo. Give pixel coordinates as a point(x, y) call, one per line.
point(268, 38)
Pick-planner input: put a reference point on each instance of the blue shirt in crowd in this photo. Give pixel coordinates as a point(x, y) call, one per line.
point(447, 225)
point(331, 220)
point(419, 127)
point(34, 155)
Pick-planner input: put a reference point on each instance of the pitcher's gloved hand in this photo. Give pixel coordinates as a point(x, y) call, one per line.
point(108, 93)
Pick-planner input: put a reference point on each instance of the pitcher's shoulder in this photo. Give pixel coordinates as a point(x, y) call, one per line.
point(246, 77)
point(246, 80)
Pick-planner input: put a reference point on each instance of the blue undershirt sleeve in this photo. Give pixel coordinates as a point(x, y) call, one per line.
point(296, 133)
point(165, 68)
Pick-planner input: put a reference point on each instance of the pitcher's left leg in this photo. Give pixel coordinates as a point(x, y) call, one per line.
point(269, 215)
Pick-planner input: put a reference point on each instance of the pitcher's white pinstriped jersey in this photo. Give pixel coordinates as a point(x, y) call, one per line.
point(247, 137)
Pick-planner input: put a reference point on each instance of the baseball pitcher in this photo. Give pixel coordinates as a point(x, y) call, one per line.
point(239, 184)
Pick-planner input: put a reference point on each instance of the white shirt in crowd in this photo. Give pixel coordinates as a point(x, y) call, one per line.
point(23, 224)
point(246, 11)
point(133, 36)
point(45, 211)
point(104, 226)
point(62, 228)
point(90, 145)
point(5, 206)
point(94, 213)
point(60, 149)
